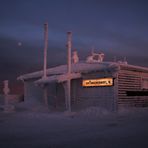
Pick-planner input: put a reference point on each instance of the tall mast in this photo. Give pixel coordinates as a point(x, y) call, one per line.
point(45, 49)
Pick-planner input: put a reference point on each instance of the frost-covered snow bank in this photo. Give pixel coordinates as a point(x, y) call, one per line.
point(92, 128)
point(94, 112)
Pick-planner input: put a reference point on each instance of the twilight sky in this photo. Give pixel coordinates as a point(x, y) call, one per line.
point(116, 27)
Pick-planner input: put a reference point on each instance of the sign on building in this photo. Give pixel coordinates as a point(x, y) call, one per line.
point(97, 82)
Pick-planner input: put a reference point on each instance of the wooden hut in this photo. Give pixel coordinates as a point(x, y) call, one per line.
point(109, 85)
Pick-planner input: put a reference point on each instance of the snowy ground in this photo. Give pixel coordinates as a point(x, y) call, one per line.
point(91, 128)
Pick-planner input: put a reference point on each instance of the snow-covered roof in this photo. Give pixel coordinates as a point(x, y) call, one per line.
point(82, 67)
point(76, 68)
point(58, 78)
point(133, 67)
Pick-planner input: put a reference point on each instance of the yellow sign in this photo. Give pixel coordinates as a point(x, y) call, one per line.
point(98, 82)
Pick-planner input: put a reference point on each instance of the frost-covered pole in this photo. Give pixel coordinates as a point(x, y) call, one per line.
point(45, 61)
point(69, 35)
point(45, 49)
point(6, 91)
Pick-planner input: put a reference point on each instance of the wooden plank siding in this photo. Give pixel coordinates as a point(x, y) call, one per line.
point(130, 80)
point(83, 97)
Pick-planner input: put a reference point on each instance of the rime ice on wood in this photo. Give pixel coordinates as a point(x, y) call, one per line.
point(95, 57)
point(45, 61)
point(75, 57)
point(6, 89)
point(68, 88)
point(45, 48)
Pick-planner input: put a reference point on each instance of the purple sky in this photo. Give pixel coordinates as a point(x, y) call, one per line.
point(116, 27)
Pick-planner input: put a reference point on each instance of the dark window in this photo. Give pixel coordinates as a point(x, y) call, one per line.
point(137, 93)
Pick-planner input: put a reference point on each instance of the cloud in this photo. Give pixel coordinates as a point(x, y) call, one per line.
point(117, 29)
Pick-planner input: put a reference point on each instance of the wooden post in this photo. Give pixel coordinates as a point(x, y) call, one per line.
point(45, 61)
point(6, 91)
point(45, 50)
point(45, 95)
point(69, 95)
point(69, 35)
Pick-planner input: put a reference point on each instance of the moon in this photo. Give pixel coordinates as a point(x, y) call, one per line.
point(19, 43)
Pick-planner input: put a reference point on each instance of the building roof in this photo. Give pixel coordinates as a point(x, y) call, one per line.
point(76, 68)
point(82, 67)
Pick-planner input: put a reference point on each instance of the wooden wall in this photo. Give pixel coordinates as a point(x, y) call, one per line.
point(93, 96)
point(127, 80)
point(32, 93)
point(130, 81)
